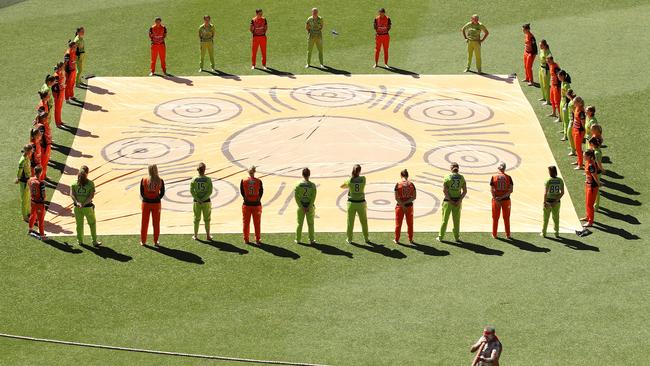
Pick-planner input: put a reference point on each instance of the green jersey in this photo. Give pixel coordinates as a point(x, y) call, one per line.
point(454, 183)
point(24, 170)
point(590, 122)
point(83, 192)
point(80, 44)
point(473, 31)
point(356, 189)
point(565, 87)
point(50, 103)
point(305, 194)
point(543, 54)
point(315, 26)
point(201, 188)
point(599, 155)
point(554, 188)
point(206, 33)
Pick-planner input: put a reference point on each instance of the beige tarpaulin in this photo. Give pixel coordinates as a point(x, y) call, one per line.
point(328, 123)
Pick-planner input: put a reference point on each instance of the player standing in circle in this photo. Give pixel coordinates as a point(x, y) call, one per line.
point(356, 186)
point(37, 194)
point(405, 194)
point(553, 192)
point(58, 93)
point(592, 183)
point(22, 176)
point(544, 75)
point(206, 37)
point(152, 190)
point(305, 196)
point(201, 190)
point(530, 52)
point(455, 190)
point(382, 25)
point(82, 193)
point(258, 29)
point(578, 130)
point(554, 91)
point(472, 34)
point(314, 27)
point(501, 186)
point(488, 349)
point(70, 62)
point(81, 53)
point(157, 35)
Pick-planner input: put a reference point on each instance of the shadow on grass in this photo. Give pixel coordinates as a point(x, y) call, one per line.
point(620, 199)
point(523, 245)
point(107, 253)
point(62, 246)
point(476, 248)
point(613, 174)
point(623, 188)
point(332, 70)
point(181, 255)
point(397, 70)
point(619, 216)
point(223, 74)
point(425, 249)
point(380, 249)
point(574, 244)
point(224, 247)
point(278, 251)
point(615, 231)
point(328, 249)
point(272, 71)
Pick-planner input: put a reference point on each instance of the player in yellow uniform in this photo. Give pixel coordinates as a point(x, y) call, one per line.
point(472, 34)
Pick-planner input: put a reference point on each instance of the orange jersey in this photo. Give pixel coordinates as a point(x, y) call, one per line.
point(251, 190)
point(157, 34)
point(554, 68)
point(43, 104)
point(502, 183)
point(69, 61)
point(382, 25)
point(151, 193)
point(405, 190)
point(36, 189)
point(259, 26)
point(36, 154)
point(579, 118)
point(530, 44)
point(590, 171)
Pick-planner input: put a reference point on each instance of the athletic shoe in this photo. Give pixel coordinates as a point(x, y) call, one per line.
point(80, 243)
point(395, 241)
point(97, 243)
point(142, 244)
point(194, 237)
point(411, 242)
point(557, 120)
point(578, 168)
point(583, 219)
point(348, 241)
point(509, 237)
point(247, 242)
point(572, 153)
point(44, 237)
point(574, 162)
point(525, 81)
point(563, 138)
point(253, 67)
point(557, 235)
point(542, 100)
point(551, 115)
point(587, 225)
point(264, 67)
point(258, 242)
point(214, 70)
point(312, 242)
point(322, 66)
point(368, 241)
point(457, 240)
point(542, 235)
point(374, 66)
point(307, 66)
point(530, 83)
point(439, 238)
point(480, 72)
point(387, 66)
point(494, 236)
point(295, 241)
point(151, 73)
point(157, 244)
point(466, 69)
point(200, 69)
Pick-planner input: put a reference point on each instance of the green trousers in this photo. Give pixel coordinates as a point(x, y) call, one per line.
point(209, 48)
point(474, 47)
point(357, 208)
point(25, 203)
point(564, 117)
point(89, 213)
point(318, 41)
point(454, 210)
point(570, 137)
point(555, 210)
point(202, 209)
point(80, 67)
point(545, 83)
point(310, 222)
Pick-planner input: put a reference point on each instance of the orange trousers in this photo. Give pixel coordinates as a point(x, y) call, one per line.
point(152, 209)
point(45, 158)
point(37, 213)
point(497, 208)
point(382, 40)
point(69, 84)
point(58, 106)
point(399, 216)
point(578, 136)
point(529, 59)
point(555, 97)
point(158, 50)
point(591, 193)
point(259, 42)
point(256, 213)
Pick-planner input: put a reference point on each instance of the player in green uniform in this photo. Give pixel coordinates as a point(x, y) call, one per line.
point(206, 37)
point(47, 87)
point(590, 121)
point(23, 175)
point(595, 144)
point(305, 196)
point(201, 190)
point(565, 78)
point(314, 27)
point(570, 106)
point(81, 53)
point(356, 186)
point(455, 189)
point(82, 193)
point(472, 34)
point(553, 192)
point(544, 72)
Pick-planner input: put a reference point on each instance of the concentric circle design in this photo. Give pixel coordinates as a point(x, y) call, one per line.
point(179, 198)
point(147, 150)
point(325, 144)
point(198, 110)
point(333, 95)
point(381, 203)
point(448, 112)
point(472, 158)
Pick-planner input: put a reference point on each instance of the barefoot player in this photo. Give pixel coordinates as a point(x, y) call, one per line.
point(305, 196)
point(455, 190)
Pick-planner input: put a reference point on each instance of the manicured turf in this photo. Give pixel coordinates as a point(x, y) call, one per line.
point(578, 301)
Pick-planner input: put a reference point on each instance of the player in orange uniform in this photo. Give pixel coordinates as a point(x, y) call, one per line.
point(382, 26)
point(37, 193)
point(58, 93)
point(251, 190)
point(36, 140)
point(152, 189)
point(405, 194)
point(42, 121)
point(501, 187)
point(530, 53)
point(591, 186)
point(157, 34)
point(258, 29)
point(70, 61)
point(578, 129)
point(555, 92)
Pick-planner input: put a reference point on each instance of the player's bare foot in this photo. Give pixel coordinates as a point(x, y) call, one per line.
point(194, 237)
point(97, 243)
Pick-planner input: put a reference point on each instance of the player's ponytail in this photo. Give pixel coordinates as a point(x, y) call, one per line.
point(356, 170)
point(82, 176)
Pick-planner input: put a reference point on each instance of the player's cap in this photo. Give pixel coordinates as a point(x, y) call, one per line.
point(502, 166)
point(382, 10)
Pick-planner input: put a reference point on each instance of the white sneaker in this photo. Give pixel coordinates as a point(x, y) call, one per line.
point(307, 66)
point(395, 241)
point(347, 241)
point(151, 74)
point(194, 237)
point(295, 241)
point(322, 66)
point(439, 239)
point(386, 65)
point(200, 69)
point(253, 67)
point(374, 66)
point(264, 67)
point(312, 242)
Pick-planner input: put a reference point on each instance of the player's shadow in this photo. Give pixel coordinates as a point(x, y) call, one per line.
point(97, 90)
point(332, 70)
point(620, 199)
point(56, 229)
point(272, 71)
point(223, 74)
point(78, 131)
point(68, 151)
point(616, 231)
point(59, 210)
point(425, 249)
point(606, 160)
point(509, 79)
point(56, 165)
point(62, 246)
point(380, 249)
point(328, 249)
point(397, 70)
point(278, 251)
point(107, 253)
point(181, 255)
point(619, 216)
point(623, 188)
point(476, 248)
point(224, 247)
point(612, 174)
point(93, 107)
point(574, 244)
point(177, 79)
point(523, 245)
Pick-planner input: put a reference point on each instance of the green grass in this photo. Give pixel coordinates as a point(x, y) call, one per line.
point(583, 301)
